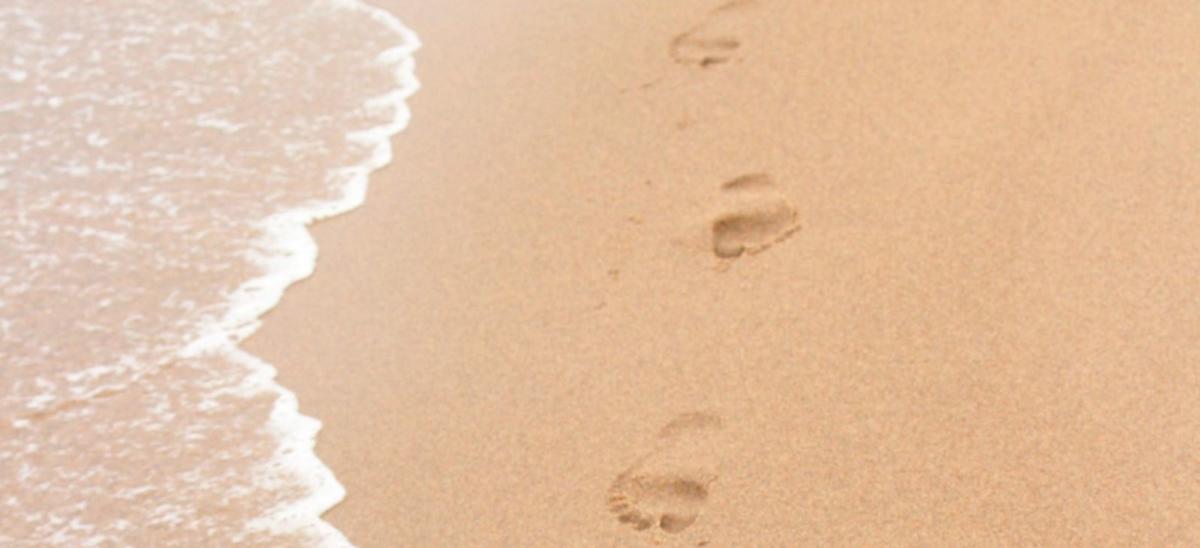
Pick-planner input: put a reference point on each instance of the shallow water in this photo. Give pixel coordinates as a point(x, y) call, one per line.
point(158, 163)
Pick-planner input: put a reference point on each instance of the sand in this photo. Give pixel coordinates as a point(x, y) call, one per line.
point(770, 274)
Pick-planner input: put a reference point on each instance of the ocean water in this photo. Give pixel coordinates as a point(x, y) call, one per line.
point(159, 161)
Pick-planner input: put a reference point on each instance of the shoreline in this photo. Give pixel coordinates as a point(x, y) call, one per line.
point(161, 168)
point(530, 309)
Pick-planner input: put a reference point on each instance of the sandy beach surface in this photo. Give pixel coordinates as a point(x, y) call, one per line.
point(770, 273)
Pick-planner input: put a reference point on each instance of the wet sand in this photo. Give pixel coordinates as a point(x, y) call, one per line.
point(770, 274)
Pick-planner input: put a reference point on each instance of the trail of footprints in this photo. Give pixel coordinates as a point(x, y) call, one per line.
point(713, 41)
point(757, 217)
point(667, 487)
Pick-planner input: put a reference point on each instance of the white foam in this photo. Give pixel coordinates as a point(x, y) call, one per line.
point(285, 253)
point(16, 75)
point(288, 254)
point(96, 139)
point(211, 121)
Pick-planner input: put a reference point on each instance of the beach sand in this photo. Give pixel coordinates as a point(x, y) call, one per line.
point(770, 274)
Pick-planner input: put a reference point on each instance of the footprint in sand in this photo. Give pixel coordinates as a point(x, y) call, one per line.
point(668, 486)
point(758, 218)
point(712, 42)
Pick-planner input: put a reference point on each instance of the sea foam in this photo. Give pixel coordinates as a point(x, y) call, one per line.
point(158, 171)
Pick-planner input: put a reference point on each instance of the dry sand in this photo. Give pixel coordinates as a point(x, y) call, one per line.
point(770, 274)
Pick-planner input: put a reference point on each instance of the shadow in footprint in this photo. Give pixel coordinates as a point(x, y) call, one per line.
point(713, 41)
point(667, 487)
point(759, 218)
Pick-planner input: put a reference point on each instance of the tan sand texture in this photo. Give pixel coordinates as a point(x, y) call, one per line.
point(770, 273)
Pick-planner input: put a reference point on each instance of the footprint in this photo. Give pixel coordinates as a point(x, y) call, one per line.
point(759, 218)
point(712, 42)
point(688, 49)
point(668, 486)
